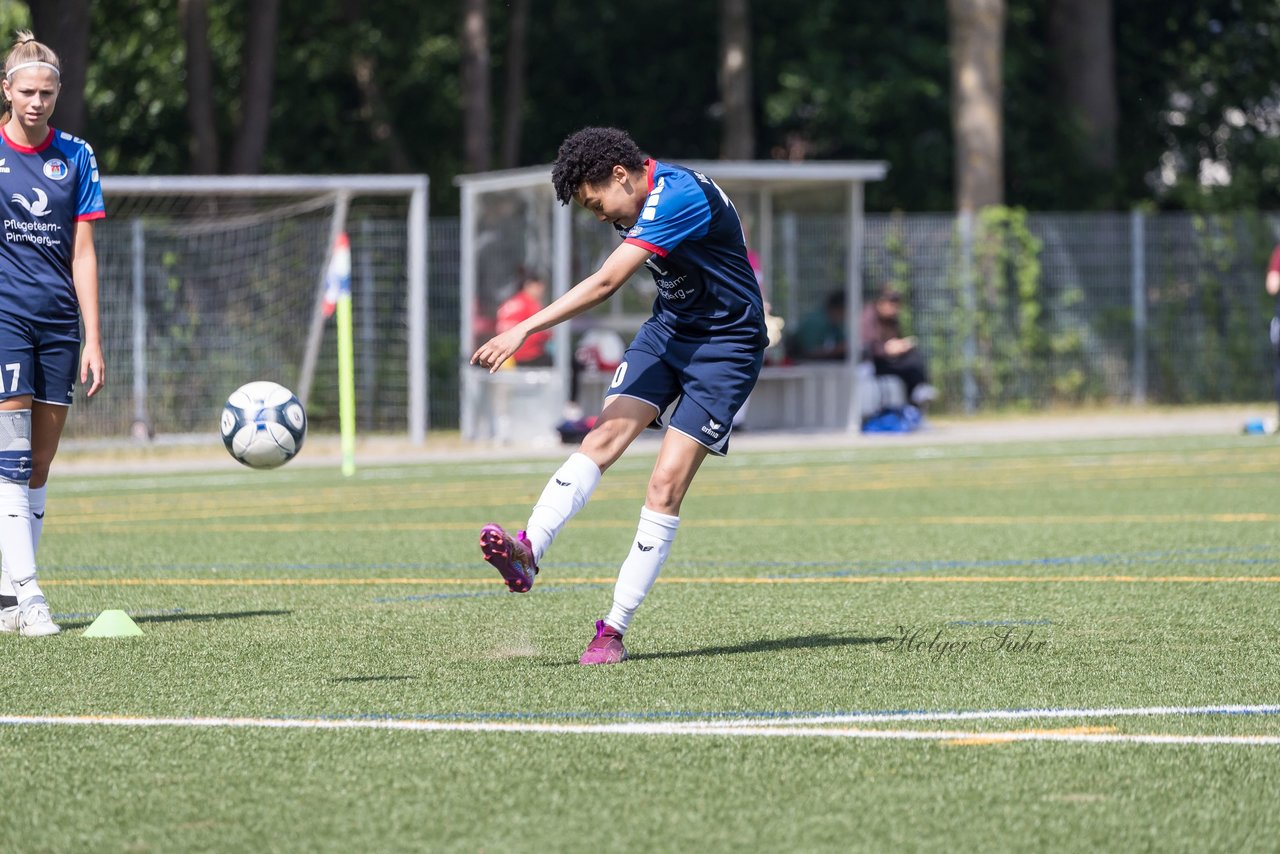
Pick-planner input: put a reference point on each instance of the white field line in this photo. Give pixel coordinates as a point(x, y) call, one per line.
point(1012, 715)
point(702, 728)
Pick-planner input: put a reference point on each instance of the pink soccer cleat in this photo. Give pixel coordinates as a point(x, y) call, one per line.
point(511, 557)
point(606, 647)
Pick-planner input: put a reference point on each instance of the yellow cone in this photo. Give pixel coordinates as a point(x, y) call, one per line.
point(112, 624)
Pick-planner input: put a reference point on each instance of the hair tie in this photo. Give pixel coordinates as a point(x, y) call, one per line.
point(33, 64)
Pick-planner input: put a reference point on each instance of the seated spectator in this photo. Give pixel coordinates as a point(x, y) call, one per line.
point(527, 301)
point(892, 352)
point(821, 333)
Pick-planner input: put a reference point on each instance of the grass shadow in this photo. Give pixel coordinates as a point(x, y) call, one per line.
point(183, 617)
point(369, 678)
point(762, 645)
point(768, 645)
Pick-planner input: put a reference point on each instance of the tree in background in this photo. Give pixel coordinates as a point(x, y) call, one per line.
point(64, 26)
point(977, 42)
point(201, 100)
point(373, 111)
point(379, 87)
point(513, 102)
point(476, 119)
point(257, 82)
point(1083, 51)
point(738, 140)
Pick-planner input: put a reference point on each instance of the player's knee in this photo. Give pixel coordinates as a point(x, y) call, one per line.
point(15, 445)
point(606, 441)
point(665, 493)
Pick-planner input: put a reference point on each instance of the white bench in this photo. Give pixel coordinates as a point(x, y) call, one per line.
point(803, 396)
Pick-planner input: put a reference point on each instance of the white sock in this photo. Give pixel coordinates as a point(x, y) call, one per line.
point(36, 498)
point(565, 494)
point(654, 536)
point(6, 583)
point(15, 540)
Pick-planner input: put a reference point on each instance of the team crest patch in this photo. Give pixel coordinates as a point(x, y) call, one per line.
point(55, 169)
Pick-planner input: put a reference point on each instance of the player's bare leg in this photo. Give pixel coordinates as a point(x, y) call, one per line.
point(516, 557)
point(678, 461)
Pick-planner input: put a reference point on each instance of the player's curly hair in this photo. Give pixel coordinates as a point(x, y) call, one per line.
point(589, 155)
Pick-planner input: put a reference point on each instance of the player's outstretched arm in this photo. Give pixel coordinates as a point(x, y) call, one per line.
point(621, 264)
point(84, 275)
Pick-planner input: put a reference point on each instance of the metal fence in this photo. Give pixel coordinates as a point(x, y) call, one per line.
point(1020, 311)
point(1039, 309)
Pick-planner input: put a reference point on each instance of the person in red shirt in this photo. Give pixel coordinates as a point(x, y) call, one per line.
point(523, 304)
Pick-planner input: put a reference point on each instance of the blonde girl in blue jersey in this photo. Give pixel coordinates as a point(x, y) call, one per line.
point(49, 199)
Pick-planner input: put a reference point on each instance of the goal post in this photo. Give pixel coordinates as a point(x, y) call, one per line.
point(208, 282)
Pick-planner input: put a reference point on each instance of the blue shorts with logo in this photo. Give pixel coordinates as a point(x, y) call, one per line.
point(39, 359)
point(697, 387)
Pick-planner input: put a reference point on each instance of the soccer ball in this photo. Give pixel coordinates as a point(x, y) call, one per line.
point(263, 424)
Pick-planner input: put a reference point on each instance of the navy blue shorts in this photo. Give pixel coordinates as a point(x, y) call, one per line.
point(697, 387)
point(39, 359)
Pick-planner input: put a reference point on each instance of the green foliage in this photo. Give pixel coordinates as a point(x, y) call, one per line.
point(1198, 81)
point(14, 15)
point(842, 80)
point(1219, 313)
point(998, 336)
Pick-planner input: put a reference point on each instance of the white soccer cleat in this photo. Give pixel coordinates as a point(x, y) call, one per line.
point(9, 619)
point(34, 621)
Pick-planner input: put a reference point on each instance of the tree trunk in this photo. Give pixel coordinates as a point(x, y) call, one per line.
point(258, 72)
point(373, 107)
point(1081, 35)
point(476, 121)
point(200, 98)
point(977, 48)
point(738, 139)
point(63, 25)
point(513, 106)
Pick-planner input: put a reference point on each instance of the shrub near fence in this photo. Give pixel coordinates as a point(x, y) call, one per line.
point(1018, 309)
point(1022, 310)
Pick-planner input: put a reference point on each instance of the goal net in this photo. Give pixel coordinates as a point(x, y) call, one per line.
point(208, 283)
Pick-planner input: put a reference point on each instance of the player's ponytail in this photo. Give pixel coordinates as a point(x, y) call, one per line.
point(26, 53)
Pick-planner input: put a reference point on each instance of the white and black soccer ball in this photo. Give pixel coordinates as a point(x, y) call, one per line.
point(263, 424)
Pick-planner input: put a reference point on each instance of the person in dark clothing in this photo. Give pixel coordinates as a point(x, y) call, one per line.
point(884, 345)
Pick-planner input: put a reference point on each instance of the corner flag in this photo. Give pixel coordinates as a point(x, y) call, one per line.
point(337, 279)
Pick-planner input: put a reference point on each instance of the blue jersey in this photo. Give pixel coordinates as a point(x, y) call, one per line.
point(706, 287)
point(44, 192)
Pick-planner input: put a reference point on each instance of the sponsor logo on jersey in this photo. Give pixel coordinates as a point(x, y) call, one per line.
point(39, 206)
point(673, 289)
point(4, 169)
point(55, 169)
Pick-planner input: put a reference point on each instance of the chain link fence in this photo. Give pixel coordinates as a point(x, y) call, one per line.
point(1012, 309)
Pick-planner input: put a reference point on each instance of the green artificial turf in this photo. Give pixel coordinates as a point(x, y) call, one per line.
point(1096, 575)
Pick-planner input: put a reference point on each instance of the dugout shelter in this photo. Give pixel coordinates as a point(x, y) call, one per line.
point(804, 224)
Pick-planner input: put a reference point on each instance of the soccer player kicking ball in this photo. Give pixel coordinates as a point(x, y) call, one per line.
point(49, 197)
point(694, 362)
